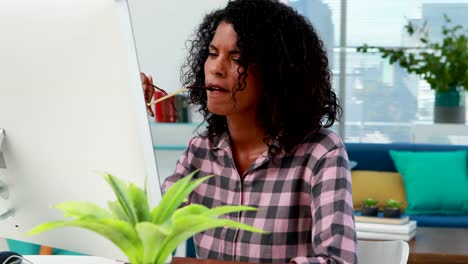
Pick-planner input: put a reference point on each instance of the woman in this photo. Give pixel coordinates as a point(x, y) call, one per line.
point(267, 105)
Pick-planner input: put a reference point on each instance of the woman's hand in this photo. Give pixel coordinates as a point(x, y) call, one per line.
point(148, 90)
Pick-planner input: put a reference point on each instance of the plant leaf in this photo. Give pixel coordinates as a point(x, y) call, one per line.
point(121, 233)
point(140, 203)
point(117, 211)
point(174, 197)
point(226, 209)
point(120, 189)
point(188, 226)
point(192, 209)
point(198, 209)
point(152, 237)
point(174, 193)
point(82, 209)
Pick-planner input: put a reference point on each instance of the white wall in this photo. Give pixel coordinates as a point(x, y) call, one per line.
point(161, 29)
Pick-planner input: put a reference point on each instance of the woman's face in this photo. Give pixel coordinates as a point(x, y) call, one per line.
point(222, 73)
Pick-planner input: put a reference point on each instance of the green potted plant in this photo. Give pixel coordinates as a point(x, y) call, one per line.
point(443, 64)
point(147, 236)
point(392, 209)
point(369, 207)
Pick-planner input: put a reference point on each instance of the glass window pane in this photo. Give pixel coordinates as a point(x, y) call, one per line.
point(382, 101)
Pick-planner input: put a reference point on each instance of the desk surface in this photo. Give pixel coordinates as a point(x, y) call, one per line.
point(177, 260)
point(439, 245)
point(431, 246)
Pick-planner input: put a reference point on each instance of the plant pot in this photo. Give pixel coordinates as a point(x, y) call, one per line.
point(449, 106)
point(369, 210)
point(392, 212)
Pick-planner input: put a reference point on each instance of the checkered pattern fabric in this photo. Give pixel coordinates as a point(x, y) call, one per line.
point(304, 201)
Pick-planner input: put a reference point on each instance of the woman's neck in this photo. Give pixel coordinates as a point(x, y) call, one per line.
point(246, 141)
point(246, 133)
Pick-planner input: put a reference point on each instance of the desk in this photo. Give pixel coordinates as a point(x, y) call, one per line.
point(439, 245)
point(55, 259)
point(431, 246)
point(177, 260)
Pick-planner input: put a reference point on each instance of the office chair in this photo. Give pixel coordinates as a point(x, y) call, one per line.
point(382, 252)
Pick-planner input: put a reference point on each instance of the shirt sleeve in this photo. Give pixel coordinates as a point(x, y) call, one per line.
point(333, 231)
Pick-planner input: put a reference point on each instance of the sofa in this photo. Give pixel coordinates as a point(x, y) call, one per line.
point(375, 159)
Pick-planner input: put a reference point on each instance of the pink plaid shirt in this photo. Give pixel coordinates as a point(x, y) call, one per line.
point(304, 200)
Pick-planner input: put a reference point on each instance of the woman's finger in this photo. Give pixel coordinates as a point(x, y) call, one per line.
point(148, 91)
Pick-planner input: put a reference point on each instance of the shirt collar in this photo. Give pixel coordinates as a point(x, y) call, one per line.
point(220, 141)
point(223, 141)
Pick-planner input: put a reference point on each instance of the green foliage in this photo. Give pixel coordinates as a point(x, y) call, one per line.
point(392, 203)
point(147, 236)
point(370, 202)
point(442, 64)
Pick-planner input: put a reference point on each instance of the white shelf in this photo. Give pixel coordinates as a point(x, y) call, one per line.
point(173, 135)
point(455, 134)
point(169, 141)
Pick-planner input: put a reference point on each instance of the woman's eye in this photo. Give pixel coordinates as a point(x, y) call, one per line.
point(212, 54)
point(236, 60)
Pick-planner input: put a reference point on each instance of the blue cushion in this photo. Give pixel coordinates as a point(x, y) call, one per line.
point(454, 221)
point(372, 156)
point(190, 250)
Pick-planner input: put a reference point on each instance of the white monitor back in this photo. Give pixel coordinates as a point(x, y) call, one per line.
point(71, 105)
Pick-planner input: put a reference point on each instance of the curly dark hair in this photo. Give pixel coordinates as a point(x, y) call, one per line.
point(284, 48)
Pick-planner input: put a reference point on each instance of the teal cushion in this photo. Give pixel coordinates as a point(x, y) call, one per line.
point(435, 182)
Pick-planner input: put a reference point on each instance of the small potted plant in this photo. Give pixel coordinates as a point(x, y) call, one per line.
point(369, 207)
point(147, 236)
point(392, 209)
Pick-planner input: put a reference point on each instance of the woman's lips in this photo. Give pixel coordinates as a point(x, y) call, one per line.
point(216, 88)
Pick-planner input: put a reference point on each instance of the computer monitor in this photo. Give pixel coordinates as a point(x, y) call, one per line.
point(71, 105)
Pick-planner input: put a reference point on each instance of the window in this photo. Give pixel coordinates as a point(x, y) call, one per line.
point(382, 102)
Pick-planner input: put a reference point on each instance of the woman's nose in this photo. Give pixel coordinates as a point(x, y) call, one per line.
point(218, 67)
